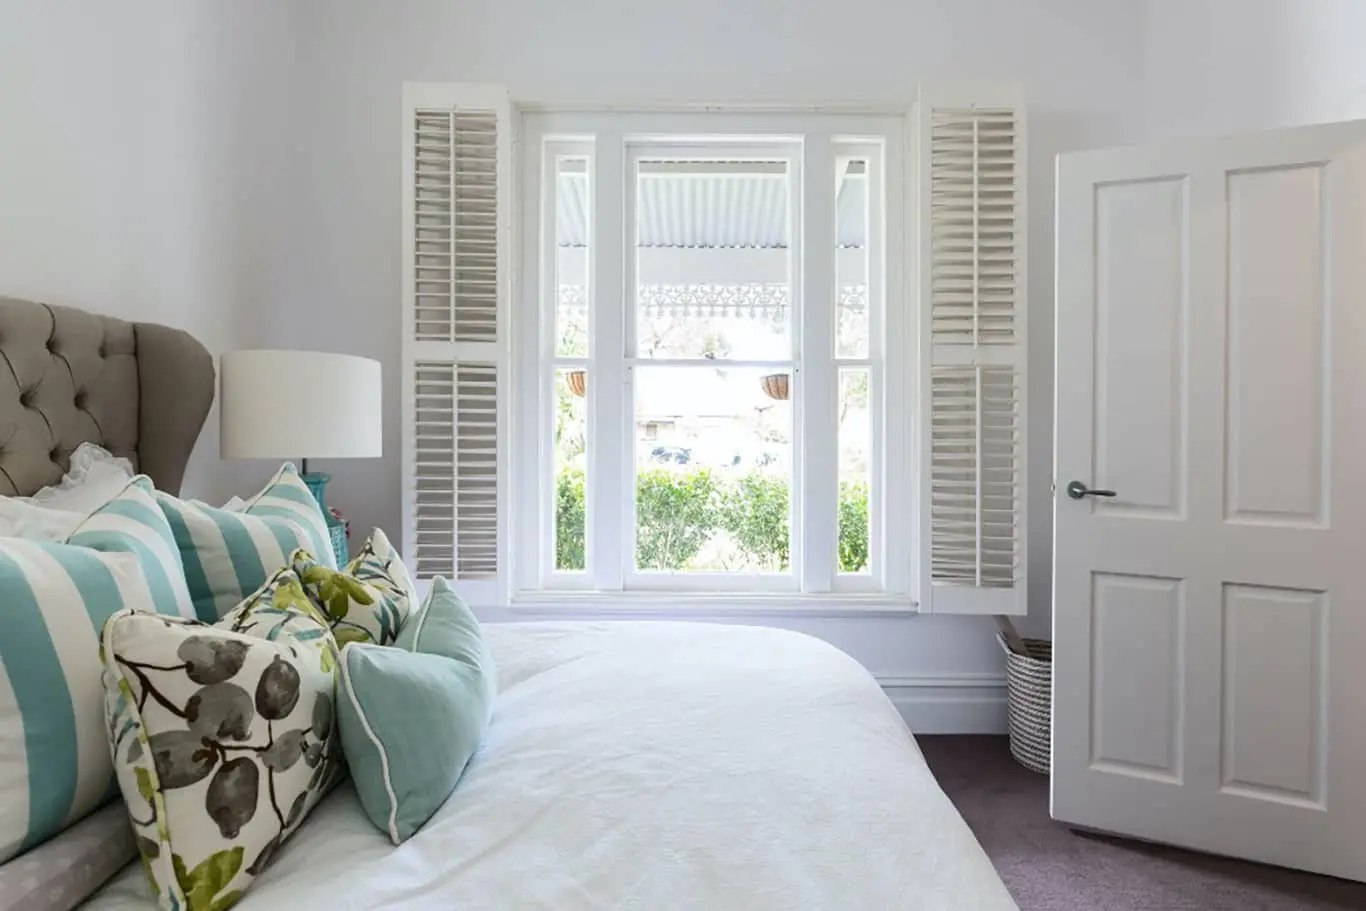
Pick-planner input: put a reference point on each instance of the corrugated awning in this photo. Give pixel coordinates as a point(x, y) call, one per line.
point(711, 210)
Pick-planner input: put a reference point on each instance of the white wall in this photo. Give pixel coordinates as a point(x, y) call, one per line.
point(1218, 66)
point(138, 175)
point(1080, 62)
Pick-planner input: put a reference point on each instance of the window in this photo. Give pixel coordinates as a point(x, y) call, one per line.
point(710, 303)
point(775, 358)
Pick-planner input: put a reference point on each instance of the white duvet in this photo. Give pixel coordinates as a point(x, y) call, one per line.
point(656, 766)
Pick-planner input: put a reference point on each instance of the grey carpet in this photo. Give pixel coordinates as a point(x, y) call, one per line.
point(1047, 867)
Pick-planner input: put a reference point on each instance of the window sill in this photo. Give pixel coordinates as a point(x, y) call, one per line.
point(719, 605)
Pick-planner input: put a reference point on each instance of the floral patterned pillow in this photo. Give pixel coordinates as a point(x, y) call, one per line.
point(223, 737)
point(379, 561)
point(366, 601)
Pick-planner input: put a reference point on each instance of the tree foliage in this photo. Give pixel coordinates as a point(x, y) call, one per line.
point(754, 511)
point(675, 515)
point(570, 545)
point(678, 512)
point(853, 519)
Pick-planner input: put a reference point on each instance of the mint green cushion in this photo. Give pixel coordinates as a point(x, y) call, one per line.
point(228, 554)
point(445, 626)
point(411, 720)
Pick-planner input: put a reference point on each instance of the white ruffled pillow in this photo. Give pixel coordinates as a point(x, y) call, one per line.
point(96, 477)
point(22, 519)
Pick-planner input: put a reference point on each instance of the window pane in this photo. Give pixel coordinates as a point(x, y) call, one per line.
point(713, 469)
point(571, 443)
point(573, 208)
point(851, 257)
point(855, 469)
point(712, 263)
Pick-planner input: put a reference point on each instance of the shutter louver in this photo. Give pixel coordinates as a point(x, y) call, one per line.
point(434, 470)
point(476, 471)
point(973, 498)
point(972, 291)
point(455, 294)
point(455, 189)
point(973, 199)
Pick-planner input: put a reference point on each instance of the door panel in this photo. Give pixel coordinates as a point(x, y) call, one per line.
point(1211, 369)
point(1136, 628)
point(1140, 332)
point(1273, 691)
point(1276, 315)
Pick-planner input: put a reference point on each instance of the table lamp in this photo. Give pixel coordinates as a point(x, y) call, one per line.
point(300, 405)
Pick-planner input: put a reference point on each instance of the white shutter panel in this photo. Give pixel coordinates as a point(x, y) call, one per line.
point(971, 242)
point(456, 187)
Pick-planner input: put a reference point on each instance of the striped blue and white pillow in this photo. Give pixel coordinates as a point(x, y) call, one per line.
point(54, 598)
point(230, 554)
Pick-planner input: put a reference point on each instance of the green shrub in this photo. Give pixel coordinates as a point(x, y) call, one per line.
point(675, 515)
point(853, 518)
point(754, 511)
point(569, 520)
point(678, 512)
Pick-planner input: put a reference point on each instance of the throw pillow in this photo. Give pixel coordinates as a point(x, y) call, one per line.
point(369, 600)
point(380, 560)
point(222, 736)
point(54, 764)
point(95, 476)
point(229, 554)
point(411, 721)
point(69, 868)
point(22, 519)
point(445, 625)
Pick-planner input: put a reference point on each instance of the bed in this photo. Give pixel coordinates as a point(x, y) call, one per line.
point(628, 764)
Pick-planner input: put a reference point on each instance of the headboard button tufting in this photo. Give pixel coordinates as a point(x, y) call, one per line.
point(68, 376)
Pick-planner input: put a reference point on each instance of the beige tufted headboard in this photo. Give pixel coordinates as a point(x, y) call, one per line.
point(140, 390)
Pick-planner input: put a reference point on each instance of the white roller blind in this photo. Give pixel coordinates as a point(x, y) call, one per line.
point(971, 245)
point(456, 188)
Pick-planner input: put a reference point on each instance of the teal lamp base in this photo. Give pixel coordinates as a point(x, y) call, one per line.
point(317, 483)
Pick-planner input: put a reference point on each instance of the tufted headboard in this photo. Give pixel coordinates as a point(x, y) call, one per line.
point(140, 390)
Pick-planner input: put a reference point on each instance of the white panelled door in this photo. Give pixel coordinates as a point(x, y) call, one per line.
point(1210, 616)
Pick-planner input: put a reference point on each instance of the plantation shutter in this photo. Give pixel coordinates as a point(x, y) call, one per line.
point(971, 243)
point(456, 185)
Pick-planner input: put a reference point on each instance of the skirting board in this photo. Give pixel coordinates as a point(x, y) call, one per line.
point(949, 703)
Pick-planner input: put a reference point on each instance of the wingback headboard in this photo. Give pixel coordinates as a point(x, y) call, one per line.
point(140, 390)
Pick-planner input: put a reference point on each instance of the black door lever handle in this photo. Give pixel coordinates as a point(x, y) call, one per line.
point(1076, 490)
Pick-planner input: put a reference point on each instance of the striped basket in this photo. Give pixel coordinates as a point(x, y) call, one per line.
point(1029, 689)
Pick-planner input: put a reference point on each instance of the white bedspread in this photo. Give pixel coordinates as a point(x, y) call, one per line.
point(656, 766)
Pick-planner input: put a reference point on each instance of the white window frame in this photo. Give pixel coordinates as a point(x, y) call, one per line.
point(789, 151)
point(817, 140)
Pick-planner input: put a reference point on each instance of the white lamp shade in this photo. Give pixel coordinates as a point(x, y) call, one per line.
point(299, 405)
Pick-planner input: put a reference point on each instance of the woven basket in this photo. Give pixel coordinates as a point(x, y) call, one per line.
point(1029, 690)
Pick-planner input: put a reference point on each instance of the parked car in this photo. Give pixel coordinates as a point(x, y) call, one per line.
point(666, 455)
